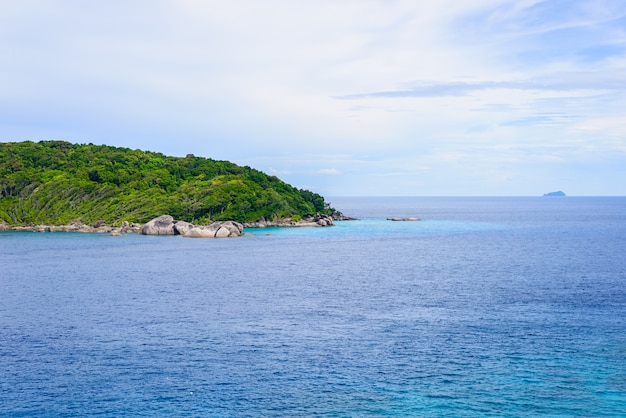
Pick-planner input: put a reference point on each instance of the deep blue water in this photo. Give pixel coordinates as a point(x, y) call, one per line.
point(487, 307)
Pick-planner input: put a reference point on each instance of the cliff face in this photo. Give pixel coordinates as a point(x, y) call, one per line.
point(56, 183)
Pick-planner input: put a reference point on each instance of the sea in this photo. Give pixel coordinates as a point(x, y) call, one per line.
point(502, 307)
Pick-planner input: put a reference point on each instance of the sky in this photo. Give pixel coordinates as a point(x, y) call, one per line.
point(341, 97)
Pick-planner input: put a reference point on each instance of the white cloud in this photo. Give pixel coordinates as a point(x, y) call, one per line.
point(329, 172)
point(611, 128)
point(277, 172)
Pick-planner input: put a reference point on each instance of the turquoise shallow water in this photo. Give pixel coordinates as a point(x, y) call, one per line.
point(487, 307)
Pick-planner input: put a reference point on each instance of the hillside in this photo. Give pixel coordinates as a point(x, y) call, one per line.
point(56, 182)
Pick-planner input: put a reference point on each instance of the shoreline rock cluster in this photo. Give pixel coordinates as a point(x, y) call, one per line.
point(167, 225)
point(77, 226)
point(317, 220)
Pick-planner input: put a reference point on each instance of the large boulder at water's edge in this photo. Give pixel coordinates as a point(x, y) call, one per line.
point(234, 228)
point(203, 231)
point(182, 227)
point(216, 230)
point(163, 225)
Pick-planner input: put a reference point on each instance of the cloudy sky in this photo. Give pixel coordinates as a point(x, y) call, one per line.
point(342, 97)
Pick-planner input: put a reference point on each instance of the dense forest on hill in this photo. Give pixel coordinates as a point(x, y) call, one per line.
point(57, 182)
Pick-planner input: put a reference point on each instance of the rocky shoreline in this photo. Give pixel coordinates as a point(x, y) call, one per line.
point(76, 226)
point(317, 220)
point(167, 225)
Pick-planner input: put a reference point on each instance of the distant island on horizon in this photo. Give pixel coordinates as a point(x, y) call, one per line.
point(554, 194)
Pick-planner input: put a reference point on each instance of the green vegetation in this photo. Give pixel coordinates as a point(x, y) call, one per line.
point(56, 182)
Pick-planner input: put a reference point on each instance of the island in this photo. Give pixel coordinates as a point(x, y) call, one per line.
point(554, 194)
point(61, 186)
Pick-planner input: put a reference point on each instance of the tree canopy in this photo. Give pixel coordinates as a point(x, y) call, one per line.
point(56, 182)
